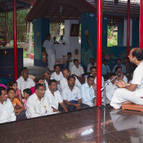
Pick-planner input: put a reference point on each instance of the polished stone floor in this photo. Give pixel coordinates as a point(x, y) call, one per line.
point(87, 126)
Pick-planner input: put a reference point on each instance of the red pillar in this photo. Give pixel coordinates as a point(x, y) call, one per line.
point(99, 51)
point(141, 24)
point(128, 29)
point(15, 40)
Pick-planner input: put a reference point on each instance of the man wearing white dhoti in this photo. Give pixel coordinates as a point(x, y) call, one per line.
point(49, 46)
point(132, 92)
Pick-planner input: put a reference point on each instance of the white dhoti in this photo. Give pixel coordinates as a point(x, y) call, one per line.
point(121, 95)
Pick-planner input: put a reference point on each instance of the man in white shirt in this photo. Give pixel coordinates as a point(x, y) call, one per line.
point(24, 81)
point(46, 77)
point(54, 97)
point(88, 91)
point(77, 69)
point(72, 95)
point(91, 64)
point(119, 63)
point(132, 92)
point(64, 81)
point(57, 74)
point(49, 46)
point(93, 73)
point(37, 104)
point(7, 113)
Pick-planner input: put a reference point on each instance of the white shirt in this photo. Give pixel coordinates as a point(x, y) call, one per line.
point(57, 77)
point(89, 66)
point(37, 108)
point(105, 69)
point(49, 46)
point(110, 89)
point(87, 94)
point(64, 83)
point(55, 99)
point(138, 76)
point(22, 84)
point(7, 113)
point(71, 95)
point(77, 71)
point(46, 84)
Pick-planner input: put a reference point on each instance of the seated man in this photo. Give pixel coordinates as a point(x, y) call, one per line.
point(121, 75)
point(46, 77)
point(54, 97)
point(72, 96)
point(24, 81)
point(57, 74)
point(6, 108)
point(132, 92)
point(64, 81)
point(119, 63)
point(37, 105)
point(77, 69)
point(93, 73)
point(91, 64)
point(106, 69)
point(88, 91)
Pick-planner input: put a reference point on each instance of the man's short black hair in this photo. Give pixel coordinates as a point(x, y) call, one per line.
point(65, 69)
point(1, 89)
point(119, 59)
point(72, 76)
point(90, 76)
point(75, 60)
point(37, 79)
point(51, 81)
point(118, 67)
point(138, 53)
point(11, 83)
point(69, 53)
point(9, 89)
point(28, 91)
point(57, 65)
point(37, 86)
point(93, 67)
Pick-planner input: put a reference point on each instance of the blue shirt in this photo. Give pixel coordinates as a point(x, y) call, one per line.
point(87, 94)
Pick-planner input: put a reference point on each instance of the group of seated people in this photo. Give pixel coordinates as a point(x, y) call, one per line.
point(55, 92)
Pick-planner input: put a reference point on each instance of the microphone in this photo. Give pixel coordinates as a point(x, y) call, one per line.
point(107, 83)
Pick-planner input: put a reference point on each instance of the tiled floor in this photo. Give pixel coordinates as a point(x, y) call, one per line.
point(87, 126)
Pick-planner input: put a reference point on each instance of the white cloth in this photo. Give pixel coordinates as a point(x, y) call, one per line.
point(37, 108)
point(110, 89)
point(55, 99)
point(123, 68)
point(46, 84)
point(49, 46)
point(22, 84)
point(71, 95)
point(105, 69)
point(87, 94)
point(64, 83)
point(7, 113)
point(121, 95)
point(89, 66)
point(57, 77)
point(77, 71)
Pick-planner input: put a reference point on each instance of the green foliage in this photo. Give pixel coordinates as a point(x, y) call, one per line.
point(112, 39)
